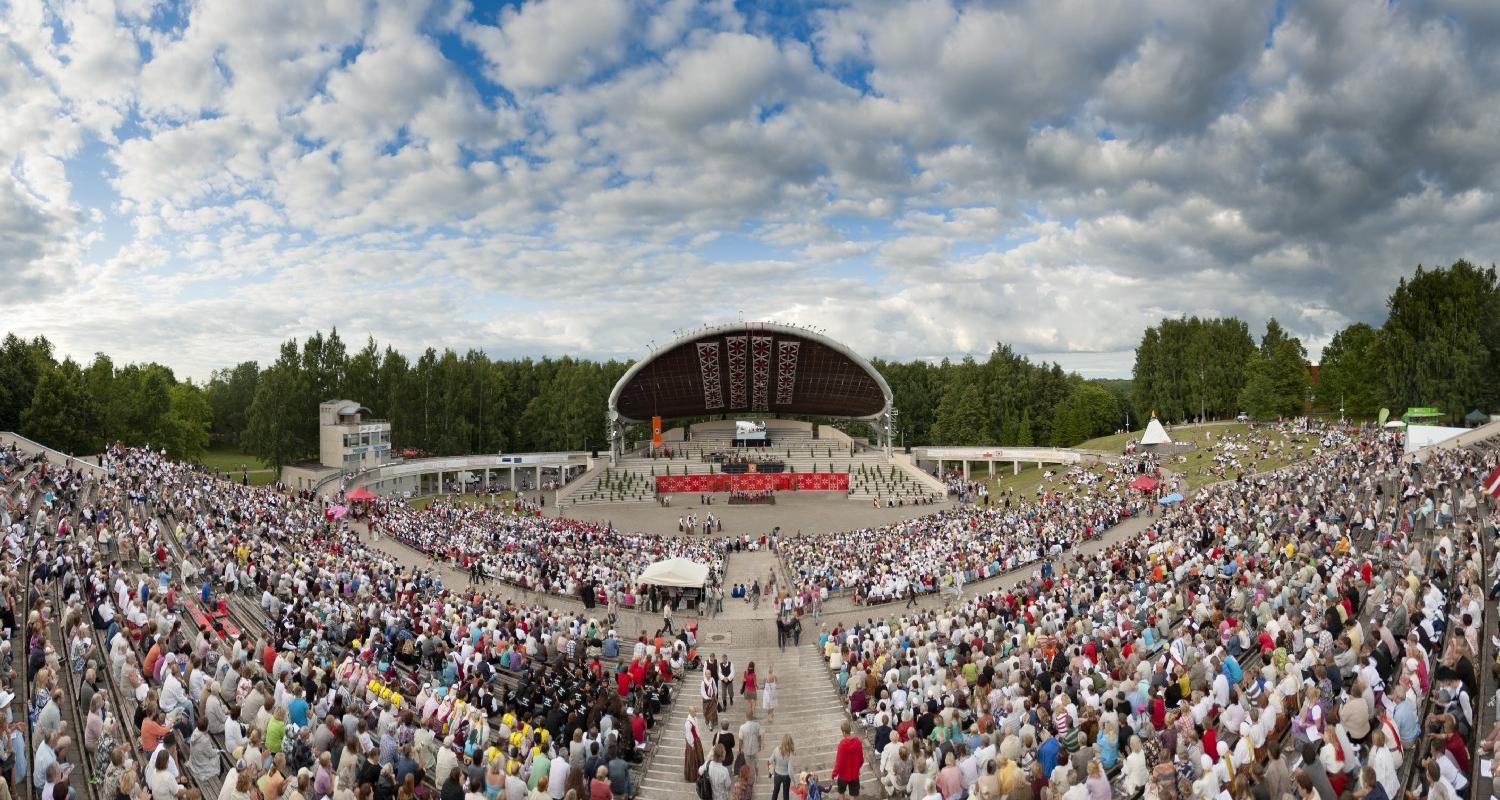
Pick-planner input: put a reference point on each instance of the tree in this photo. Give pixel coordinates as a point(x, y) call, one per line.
point(1440, 345)
point(1090, 410)
point(1276, 376)
point(229, 393)
point(189, 423)
point(960, 417)
point(276, 413)
point(22, 365)
point(62, 414)
point(1350, 374)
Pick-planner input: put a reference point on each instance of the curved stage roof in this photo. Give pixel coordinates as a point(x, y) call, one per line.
point(749, 369)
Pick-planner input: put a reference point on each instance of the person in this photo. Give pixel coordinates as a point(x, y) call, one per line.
point(768, 696)
point(599, 786)
point(666, 618)
point(692, 752)
point(848, 759)
point(744, 784)
point(782, 763)
point(718, 774)
point(708, 689)
point(748, 687)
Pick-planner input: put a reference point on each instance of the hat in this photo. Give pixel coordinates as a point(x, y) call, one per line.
point(6, 698)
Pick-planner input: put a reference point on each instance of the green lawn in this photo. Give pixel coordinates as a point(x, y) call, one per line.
point(1283, 449)
point(233, 460)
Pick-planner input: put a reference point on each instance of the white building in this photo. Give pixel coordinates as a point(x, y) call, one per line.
point(349, 441)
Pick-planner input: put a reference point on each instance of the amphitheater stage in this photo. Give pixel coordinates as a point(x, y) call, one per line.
point(806, 511)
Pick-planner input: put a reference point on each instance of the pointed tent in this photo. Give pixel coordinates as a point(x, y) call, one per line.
point(1477, 417)
point(1155, 433)
point(361, 493)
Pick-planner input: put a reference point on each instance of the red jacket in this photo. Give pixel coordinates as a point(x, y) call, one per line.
point(848, 759)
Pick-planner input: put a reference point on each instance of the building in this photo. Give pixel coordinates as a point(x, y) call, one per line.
point(349, 441)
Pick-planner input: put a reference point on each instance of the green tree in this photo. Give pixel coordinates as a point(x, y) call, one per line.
point(1090, 410)
point(229, 393)
point(1276, 376)
point(1349, 376)
point(22, 364)
point(1440, 344)
point(960, 417)
point(191, 417)
point(277, 412)
point(62, 414)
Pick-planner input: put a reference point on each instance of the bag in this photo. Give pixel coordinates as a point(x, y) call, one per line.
point(705, 788)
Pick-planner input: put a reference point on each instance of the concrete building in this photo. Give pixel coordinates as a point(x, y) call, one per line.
point(349, 441)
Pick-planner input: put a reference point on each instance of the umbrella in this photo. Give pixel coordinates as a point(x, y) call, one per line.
point(339, 512)
point(1175, 497)
point(1145, 483)
point(361, 493)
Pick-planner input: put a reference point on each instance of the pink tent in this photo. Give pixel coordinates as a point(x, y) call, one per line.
point(1145, 483)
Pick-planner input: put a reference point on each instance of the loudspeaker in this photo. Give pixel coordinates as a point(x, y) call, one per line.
point(595, 453)
point(908, 449)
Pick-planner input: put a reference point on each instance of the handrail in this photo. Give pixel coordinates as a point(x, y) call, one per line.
point(36, 447)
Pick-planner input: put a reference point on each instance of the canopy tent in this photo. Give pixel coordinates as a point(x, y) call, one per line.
point(1145, 483)
point(1175, 497)
point(361, 493)
point(1420, 436)
point(676, 572)
point(1155, 433)
point(1477, 417)
point(1395, 423)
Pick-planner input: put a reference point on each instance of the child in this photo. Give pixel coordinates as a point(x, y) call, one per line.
point(808, 788)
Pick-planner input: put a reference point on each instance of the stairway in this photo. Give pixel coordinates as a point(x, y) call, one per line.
point(808, 708)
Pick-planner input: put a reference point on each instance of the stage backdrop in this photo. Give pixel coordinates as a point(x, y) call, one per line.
point(754, 482)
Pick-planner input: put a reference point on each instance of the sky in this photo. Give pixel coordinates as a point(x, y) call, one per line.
point(195, 182)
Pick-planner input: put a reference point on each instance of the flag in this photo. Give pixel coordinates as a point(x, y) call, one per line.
point(1491, 485)
point(656, 432)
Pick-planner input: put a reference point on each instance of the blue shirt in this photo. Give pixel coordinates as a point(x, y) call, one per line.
point(296, 712)
point(1047, 755)
point(1408, 727)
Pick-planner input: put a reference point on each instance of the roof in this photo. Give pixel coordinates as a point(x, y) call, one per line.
point(678, 572)
point(751, 368)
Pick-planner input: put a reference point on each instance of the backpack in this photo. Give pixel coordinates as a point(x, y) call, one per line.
point(705, 787)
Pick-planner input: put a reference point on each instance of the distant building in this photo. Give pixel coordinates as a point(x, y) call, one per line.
point(349, 441)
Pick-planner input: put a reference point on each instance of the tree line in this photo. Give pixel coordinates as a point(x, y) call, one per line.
point(1439, 346)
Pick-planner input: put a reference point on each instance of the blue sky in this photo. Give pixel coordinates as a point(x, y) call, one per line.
point(194, 182)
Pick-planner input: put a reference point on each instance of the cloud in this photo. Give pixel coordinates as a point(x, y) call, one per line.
point(923, 178)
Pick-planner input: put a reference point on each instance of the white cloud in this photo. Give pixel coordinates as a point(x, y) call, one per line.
point(548, 42)
point(922, 177)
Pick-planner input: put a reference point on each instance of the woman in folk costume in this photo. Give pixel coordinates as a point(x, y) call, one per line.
point(692, 752)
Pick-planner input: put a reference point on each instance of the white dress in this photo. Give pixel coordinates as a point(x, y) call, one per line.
point(768, 696)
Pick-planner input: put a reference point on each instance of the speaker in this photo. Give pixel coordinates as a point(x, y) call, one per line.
point(595, 453)
point(908, 449)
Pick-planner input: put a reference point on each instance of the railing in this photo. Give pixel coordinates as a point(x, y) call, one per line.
point(57, 455)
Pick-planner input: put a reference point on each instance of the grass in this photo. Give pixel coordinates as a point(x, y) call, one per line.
point(421, 503)
point(232, 460)
point(1284, 450)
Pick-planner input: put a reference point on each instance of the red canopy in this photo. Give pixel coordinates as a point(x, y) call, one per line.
point(361, 493)
point(1145, 483)
point(1492, 483)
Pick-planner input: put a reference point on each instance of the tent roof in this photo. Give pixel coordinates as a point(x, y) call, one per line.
point(1477, 416)
point(678, 572)
point(1155, 433)
point(361, 493)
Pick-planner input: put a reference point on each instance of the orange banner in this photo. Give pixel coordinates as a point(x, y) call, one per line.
point(656, 432)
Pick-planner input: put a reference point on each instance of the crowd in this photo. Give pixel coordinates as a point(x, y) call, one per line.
point(368, 680)
point(970, 542)
point(1276, 637)
point(552, 555)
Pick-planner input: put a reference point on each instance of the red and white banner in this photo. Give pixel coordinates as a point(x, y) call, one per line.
point(753, 482)
point(1491, 485)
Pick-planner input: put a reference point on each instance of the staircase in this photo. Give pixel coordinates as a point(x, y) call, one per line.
point(886, 482)
point(808, 708)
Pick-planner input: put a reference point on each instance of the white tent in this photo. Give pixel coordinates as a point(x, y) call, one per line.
point(678, 572)
point(1155, 433)
point(1420, 436)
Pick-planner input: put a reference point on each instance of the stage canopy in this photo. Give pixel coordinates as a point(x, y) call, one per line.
point(750, 369)
point(676, 572)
